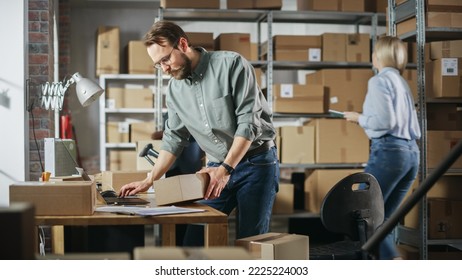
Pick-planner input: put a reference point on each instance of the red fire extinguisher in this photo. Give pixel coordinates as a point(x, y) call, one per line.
point(66, 127)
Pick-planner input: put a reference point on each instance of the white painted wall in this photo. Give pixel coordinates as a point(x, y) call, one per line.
point(14, 124)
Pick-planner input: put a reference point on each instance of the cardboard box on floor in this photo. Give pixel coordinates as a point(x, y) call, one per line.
point(177, 253)
point(276, 246)
point(181, 188)
point(56, 198)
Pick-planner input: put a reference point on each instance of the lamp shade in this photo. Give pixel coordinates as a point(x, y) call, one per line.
point(87, 90)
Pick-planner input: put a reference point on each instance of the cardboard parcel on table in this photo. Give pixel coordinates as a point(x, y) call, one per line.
point(181, 188)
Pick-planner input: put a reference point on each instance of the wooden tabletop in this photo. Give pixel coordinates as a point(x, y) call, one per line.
point(210, 215)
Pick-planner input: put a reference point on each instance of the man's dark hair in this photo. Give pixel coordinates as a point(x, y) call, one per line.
point(163, 32)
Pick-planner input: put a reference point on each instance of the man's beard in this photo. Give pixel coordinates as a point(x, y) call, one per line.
point(183, 71)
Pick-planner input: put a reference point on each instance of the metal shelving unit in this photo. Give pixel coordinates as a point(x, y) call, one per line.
point(105, 113)
point(422, 34)
point(270, 17)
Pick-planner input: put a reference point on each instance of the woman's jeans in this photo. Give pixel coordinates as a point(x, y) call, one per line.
point(394, 162)
point(251, 190)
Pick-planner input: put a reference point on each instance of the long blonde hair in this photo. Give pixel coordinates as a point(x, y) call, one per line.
point(391, 52)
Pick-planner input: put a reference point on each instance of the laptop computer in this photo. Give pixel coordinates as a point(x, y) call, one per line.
point(108, 199)
point(111, 198)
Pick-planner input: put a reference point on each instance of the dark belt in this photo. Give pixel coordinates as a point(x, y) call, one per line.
point(266, 146)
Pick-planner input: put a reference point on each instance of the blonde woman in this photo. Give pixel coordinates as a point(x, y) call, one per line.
point(390, 121)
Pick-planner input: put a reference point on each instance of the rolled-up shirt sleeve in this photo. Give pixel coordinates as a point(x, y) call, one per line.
point(176, 135)
point(248, 107)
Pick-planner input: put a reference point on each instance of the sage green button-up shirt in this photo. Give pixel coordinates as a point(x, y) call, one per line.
point(221, 100)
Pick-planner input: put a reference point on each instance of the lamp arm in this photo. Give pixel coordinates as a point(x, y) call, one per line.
point(52, 94)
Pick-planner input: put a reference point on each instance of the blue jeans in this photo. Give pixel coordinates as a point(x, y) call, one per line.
point(251, 189)
point(394, 162)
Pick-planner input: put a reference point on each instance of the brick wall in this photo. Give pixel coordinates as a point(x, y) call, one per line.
point(41, 121)
point(41, 62)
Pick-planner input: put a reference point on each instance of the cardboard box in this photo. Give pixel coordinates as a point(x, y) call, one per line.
point(139, 62)
point(284, 201)
point(445, 49)
point(199, 4)
point(444, 216)
point(445, 77)
point(141, 131)
point(254, 4)
point(318, 5)
point(439, 145)
point(410, 75)
point(381, 6)
point(181, 188)
point(276, 246)
point(443, 6)
point(339, 141)
point(298, 144)
point(116, 179)
point(295, 42)
point(177, 253)
point(346, 88)
point(447, 187)
point(66, 178)
point(319, 183)
point(358, 5)
point(432, 19)
point(114, 97)
point(117, 132)
point(334, 47)
point(141, 162)
point(289, 98)
point(412, 52)
point(107, 50)
point(138, 96)
point(56, 198)
point(237, 42)
point(444, 116)
point(358, 48)
point(201, 39)
point(122, 160)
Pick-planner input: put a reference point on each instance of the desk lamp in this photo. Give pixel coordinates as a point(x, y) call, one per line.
point(52, 94)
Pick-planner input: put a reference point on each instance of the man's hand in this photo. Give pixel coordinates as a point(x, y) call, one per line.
point(218, 180)
point(134, 188)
